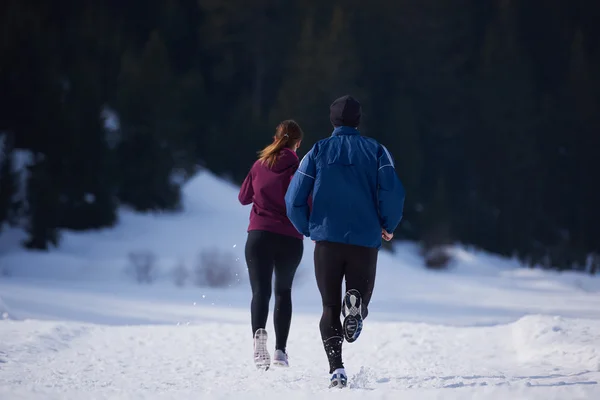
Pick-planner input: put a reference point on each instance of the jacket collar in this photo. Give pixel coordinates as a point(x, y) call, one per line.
point(345, 130)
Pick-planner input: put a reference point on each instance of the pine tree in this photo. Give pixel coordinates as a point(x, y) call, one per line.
point(507, 149)
point(244, 44)
point(31, 109)
point(85, 178)
point(149, 108)
point(436, 225)
point(323, 68)
point(398, 131)
point(43, 204)
point(7, 179)
point(582, 107)
point(436, 40)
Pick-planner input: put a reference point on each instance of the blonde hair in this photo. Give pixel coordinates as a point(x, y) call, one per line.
point(287, 134)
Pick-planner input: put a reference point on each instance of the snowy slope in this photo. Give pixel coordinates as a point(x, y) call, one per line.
point(76, 325)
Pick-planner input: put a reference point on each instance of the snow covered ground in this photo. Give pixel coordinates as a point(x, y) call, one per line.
point(76, 325)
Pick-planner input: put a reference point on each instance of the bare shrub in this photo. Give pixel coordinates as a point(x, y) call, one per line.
point(434, 245)
point(437, 257)
point(180, 274)
point(143, 264)
point(217, 269)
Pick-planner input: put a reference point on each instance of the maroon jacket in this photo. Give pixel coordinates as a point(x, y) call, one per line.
point(266, 187)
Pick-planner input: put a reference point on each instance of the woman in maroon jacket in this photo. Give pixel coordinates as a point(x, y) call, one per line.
point(273, 243)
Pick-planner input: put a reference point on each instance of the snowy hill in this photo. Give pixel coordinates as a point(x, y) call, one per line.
point(78, 325)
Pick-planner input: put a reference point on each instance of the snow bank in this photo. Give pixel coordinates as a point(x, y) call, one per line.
point(557, 341)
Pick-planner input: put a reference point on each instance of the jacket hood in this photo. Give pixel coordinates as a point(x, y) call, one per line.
point(287, 158)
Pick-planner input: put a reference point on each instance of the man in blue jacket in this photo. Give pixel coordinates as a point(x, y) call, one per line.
point(357, 199)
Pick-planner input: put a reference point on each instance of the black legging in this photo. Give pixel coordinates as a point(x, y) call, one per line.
point(333, 263)
point(265, 252)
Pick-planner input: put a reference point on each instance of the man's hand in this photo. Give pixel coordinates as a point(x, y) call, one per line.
point(386, 236)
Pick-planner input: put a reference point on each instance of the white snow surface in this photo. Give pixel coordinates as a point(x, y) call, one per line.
point(74, 324)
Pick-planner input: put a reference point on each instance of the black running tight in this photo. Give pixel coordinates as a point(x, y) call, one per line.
point(268, 252)
point(334, 263)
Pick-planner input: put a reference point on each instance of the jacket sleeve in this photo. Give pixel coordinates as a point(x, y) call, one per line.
point(309, 197)
point(246, 191)
point(390, 192)
point(297, 195)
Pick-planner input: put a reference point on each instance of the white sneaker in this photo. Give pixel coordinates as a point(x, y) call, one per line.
point(339, 379)
point(280, 358)
point(262, 359)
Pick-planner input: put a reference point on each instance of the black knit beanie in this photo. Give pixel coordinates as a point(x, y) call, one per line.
point(345, 111)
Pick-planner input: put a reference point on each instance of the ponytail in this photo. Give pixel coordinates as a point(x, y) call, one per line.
point(287, 134)
point(270, 154)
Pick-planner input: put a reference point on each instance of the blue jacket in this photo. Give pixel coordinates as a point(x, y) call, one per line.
point(355, 191)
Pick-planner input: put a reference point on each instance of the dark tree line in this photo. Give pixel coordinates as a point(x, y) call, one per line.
point(491, 108)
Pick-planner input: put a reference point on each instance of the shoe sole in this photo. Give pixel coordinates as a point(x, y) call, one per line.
point(262, 358)
point(338, 384)
point(353, 320)
point(280, 364)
